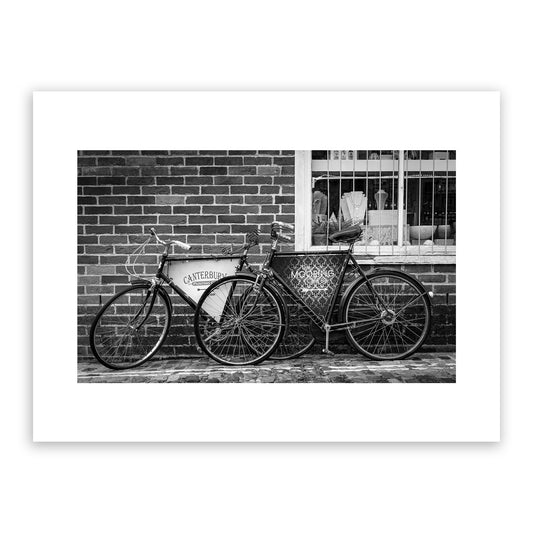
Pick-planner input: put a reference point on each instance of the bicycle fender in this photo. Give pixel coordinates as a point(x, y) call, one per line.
point(392, 271)
point(372, 272)
point(147, 284)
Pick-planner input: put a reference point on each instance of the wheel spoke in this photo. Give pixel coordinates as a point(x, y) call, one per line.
point(393, 332)
point(252, 319)
point(130, 328)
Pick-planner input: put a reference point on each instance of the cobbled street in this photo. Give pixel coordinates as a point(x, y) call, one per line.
point(422, 368)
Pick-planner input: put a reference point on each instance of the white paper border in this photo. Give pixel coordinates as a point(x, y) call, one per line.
point(64, 410)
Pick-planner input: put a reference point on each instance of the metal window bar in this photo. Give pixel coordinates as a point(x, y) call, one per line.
point(446, 205)
point(392, 202)
point(433, 205)
point(367, 203)
point(405, 167)
point(402, 191)
point(419, 201)
point(328, 154)
point(379, 218)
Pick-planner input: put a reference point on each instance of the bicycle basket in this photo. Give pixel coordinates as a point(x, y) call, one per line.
point(312, 276)
point(132, 266)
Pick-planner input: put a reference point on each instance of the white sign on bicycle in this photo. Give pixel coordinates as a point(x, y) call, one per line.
point(195, 275)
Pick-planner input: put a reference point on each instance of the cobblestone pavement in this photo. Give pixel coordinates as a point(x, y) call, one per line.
point(423, 368)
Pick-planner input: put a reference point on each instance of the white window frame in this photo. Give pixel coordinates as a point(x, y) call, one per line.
point(416, 254)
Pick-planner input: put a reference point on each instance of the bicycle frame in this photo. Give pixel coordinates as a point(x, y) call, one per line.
point(324, 322)
point(166, 261)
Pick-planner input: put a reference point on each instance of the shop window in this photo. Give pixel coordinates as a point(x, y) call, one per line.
point(403, 199)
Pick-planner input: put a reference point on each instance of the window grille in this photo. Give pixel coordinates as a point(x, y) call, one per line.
point(404, 199)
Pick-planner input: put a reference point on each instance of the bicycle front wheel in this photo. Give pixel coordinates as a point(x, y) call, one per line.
point(393, 315)
point(238, 323)
point(131, 327)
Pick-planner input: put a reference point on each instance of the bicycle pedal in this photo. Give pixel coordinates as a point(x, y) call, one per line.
point(327, 352)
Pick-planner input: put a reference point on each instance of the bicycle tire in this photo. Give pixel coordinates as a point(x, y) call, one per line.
point(236, 326)
point(131, 314)
point(387, 328)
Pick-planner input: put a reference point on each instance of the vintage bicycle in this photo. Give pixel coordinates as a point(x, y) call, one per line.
point(385, 314)
point(132, 326)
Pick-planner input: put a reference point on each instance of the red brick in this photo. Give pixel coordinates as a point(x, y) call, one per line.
point(269, 189)
point(203, 199)
point(170, 199)
point(242, 170)
point(258, 180)
point(213, 171)
point(239, 219)
point(183, 171)
point(256, 199)
point(179, 209)
point(257, 161)
point(229, 200)
point(215, 209)
point(215, 189)
point(216, 228)
point(157, 209)
point(141, 199)
point(170, 161)
point(127, 209)
point(140, 161)
point(184, 189)
point(244, 189)
point(111, 161)
point(141, 180)
point(202, 219)
point(171, 219)
point(284, 199)
point(245, 209)
point(198, 180)
point(268, 170)
point(270, 208)
point(155, 171)
point(198, 161)
point(228, 161)
point(227, 180)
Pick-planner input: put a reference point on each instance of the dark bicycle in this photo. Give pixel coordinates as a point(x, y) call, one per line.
point(132, 326)
point(241, 319)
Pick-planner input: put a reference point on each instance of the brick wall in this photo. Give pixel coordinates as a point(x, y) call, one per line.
point(208, 199)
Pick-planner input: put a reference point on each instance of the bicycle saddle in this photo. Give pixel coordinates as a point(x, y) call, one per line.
point(350, 234)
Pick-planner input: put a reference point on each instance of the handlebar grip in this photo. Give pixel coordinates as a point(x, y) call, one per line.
point(285, 238)
point(284, 225)
point(152, 231)
point(182, 245)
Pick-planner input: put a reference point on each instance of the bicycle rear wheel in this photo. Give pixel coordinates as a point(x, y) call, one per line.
point(394, 315)
point(131, 327)
point(238, 323)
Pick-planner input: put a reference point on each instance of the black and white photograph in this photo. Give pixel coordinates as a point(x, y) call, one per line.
point(236, 296)
point(267, 266)
point(241, 270)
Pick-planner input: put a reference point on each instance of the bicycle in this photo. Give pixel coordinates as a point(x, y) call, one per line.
point(133, 324)
point(385, 313)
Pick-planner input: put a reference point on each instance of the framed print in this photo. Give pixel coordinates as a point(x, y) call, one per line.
point(266, 266)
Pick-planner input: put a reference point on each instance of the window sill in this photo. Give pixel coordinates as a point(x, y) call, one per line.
point(396, 254)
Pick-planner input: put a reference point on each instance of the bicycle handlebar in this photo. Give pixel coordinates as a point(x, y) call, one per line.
point(284, 225)
point(168, 243)
point(275, 232)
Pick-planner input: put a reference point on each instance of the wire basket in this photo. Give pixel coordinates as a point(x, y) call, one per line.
point(132, 267)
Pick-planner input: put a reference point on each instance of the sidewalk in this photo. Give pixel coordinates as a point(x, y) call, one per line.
point(342, 368)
